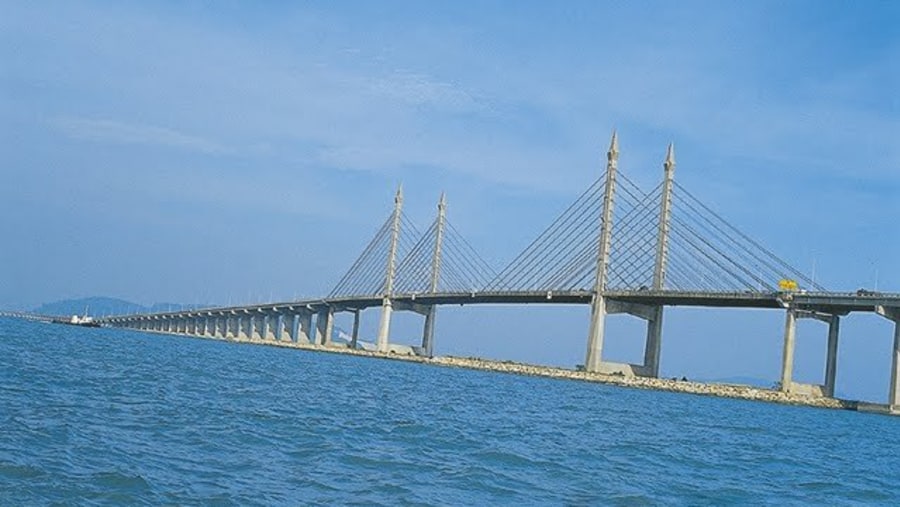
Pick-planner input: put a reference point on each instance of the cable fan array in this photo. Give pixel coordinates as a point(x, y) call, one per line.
point(460, 267)
point(705, 252)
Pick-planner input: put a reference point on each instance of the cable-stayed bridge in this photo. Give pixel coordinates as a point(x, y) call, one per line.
point(618, 248)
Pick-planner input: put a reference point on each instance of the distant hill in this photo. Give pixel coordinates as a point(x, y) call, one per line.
point(103, 306)
point(94, 306)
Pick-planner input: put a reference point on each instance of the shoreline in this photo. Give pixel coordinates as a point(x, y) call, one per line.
point(734, 391)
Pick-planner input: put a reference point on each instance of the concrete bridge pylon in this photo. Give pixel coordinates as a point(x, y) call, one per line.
point(600, 305)
point(384, 325)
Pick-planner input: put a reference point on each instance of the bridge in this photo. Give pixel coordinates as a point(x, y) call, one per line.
point(617, 248)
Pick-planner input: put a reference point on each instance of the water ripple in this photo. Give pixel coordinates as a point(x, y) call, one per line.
point(107, 417)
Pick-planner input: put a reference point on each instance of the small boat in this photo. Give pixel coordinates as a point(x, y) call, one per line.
point(84, 321)
point(76, 320)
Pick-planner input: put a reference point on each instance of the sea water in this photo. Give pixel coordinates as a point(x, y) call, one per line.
point(104, 416)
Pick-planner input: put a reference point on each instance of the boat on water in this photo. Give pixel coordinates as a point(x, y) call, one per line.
point(84, 321)
point(78, 320)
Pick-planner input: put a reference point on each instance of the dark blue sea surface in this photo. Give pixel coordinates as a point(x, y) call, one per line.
point(101, 416)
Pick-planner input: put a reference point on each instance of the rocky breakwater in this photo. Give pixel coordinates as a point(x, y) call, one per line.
point(681, 386)
point(661, 384)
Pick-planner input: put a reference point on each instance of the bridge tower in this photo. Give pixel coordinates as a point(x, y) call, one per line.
point(428, 332)
point(598, 304)
point(384, 325)
point(654, 324)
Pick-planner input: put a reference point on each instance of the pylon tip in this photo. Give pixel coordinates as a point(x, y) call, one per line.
point(614, 143)
point(670, 155)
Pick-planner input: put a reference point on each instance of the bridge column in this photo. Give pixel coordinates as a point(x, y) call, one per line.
point(240, 327)
point(221, 327)
point(234, 322)
point(258, 329)
point(787, 358)
point(384, 326)
point(264, 327)
point(428, 332)
point(295, 328)
point(282, 331)
point(354, 335)
point(653, 345)
point(594, 355)
point(324, 326)
point(894, 392)
point(834, 326)
point(893, 314)
point(306, 328)
point(268, 327)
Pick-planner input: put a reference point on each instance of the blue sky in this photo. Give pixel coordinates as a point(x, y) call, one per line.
point(242, 151)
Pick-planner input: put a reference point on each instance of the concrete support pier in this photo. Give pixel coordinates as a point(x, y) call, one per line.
point(834, 327)
point(428, 332)
point(653, 345)
point(354, 335)
point(306, 328)
point(295, 328)
point(894, 392)
point(893, 314)
point(787, 383)
point(253, 328)
point(282, 328)
point(264, 327)
point(324, 327)
point(787, 356)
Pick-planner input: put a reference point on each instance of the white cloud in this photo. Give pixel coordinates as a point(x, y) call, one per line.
point(420, 89)
point(99, 130)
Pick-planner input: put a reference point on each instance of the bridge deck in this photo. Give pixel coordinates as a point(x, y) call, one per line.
point(838, 303)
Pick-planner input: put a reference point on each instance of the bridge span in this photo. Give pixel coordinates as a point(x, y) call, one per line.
point(617, 248)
